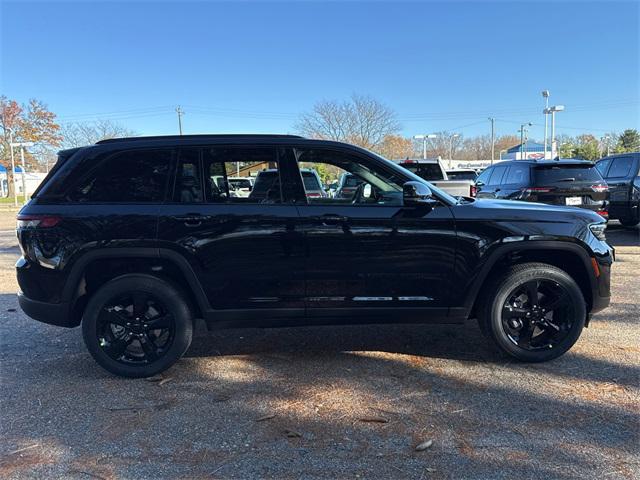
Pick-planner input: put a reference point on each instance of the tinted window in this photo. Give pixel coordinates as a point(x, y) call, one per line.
point(620, 167)
point(496, 175)
point(131, 176)
point(518, 174)
point(603, 165)
point(350, 181)
point(484, 176)
point(566, 173)
point(428, 171)
point(228, 171)
point(188, 185)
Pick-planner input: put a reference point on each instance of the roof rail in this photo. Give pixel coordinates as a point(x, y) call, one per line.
point(194, 137)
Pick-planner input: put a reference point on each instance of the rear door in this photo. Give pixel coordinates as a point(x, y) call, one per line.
point(570, 184)
point(514, 180)
point(246, 250)
point(619, 177)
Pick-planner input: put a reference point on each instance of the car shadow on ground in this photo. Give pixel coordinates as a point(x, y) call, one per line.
point(619, 236)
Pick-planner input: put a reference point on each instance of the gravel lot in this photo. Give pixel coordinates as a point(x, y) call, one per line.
point(349, 402)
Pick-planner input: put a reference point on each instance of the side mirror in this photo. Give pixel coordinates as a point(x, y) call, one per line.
point(416, 194)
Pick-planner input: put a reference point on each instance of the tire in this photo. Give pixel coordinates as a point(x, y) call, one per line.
point(122, 340)
point(538, 336)
point(629, 222)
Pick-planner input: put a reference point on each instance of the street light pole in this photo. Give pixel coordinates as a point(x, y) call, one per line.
point(24, 183)
point(424, 139)
point(451, 137)
point(522, 140)
point(493, 138)
point(545, 94)
point(553, 110)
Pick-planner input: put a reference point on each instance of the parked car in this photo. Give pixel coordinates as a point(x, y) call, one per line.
point(238, 186)
point(125, 239)
point(347, 186)
point(572, 183)
point(622, 174)
point(433, 171)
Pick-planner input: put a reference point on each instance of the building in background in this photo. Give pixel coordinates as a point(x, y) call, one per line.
point(31, 181)
point(531, 151)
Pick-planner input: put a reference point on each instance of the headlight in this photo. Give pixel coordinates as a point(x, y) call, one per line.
point(598, 230)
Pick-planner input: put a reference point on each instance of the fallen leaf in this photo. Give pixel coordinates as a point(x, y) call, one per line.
point(292, 434)
point(164, 380)
point(424, 445)
point(266, 417)
point(374, 419)
point(155, 378)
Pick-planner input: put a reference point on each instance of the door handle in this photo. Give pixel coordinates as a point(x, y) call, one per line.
point(191, 219)
point(330, 219)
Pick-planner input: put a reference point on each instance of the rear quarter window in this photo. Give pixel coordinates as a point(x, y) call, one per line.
point(131, 176)
point(620, 167)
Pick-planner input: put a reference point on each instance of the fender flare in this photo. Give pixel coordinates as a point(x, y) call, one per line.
point(524, 245)
point(79, 266)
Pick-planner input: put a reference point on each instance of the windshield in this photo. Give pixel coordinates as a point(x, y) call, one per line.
point(566, 173)
point(412, 176)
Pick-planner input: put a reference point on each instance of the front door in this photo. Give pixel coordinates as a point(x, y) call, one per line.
point(367, 254)
point(242, 240)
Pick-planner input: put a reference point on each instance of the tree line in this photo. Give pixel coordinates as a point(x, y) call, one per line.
point(361, 120)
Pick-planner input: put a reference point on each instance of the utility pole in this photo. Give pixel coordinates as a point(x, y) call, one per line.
point(13, 171)
point(451, 137)
point(180, 112)
point(545, 94)
point(493, 138)
point(523, 139)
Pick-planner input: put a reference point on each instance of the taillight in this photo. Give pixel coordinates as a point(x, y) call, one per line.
point(40, 221)
point(538, 189)
point(473, 190)
point(603, 213)
point(313, 195)
point(600, 188)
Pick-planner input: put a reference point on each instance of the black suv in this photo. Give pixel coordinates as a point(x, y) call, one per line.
point(574, 183)
point(622, 173)
point(136, 238)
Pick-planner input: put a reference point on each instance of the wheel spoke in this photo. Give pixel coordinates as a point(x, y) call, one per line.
point(148, 347)
point(524, 339)
point(139, 304)
point(551, 304)
point(110, 315)
point(160, 322)
point(509, 311)
point(531, 289)
point(118, 347)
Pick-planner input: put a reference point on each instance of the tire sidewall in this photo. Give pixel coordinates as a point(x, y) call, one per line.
point(171, 298)
point(518, 278)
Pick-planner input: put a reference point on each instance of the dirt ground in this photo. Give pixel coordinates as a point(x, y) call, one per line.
point(326, 402)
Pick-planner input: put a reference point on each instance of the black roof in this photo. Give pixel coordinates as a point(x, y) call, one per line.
point(258, 136)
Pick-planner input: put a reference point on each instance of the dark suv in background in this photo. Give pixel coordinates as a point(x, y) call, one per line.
point(622, 174)
point(137, 238)
point(571, 183)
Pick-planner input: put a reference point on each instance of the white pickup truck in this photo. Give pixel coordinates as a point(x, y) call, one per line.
point(432, 170)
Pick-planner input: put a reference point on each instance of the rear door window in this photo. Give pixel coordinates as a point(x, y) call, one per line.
point(134, 176)
point(549, 174)
point(620, 167)
point(496, 175)
point(517, 175)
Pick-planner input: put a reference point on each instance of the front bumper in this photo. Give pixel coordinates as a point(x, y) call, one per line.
point(58, 314)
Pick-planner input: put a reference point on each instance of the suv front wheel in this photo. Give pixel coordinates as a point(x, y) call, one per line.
point(137, 325)
point(534, 312)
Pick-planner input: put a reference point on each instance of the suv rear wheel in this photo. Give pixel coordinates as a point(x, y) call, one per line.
point(137, 325)
point(534, 312)
point(630, 222)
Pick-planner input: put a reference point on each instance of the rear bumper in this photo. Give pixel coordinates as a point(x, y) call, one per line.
point(52, 313)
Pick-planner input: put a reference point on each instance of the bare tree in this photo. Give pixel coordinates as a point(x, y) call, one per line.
point(361, 120)
point(395, 147)
point(81, 134)
point(443, 143)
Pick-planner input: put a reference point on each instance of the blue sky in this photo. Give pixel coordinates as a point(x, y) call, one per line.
point(254, 66)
